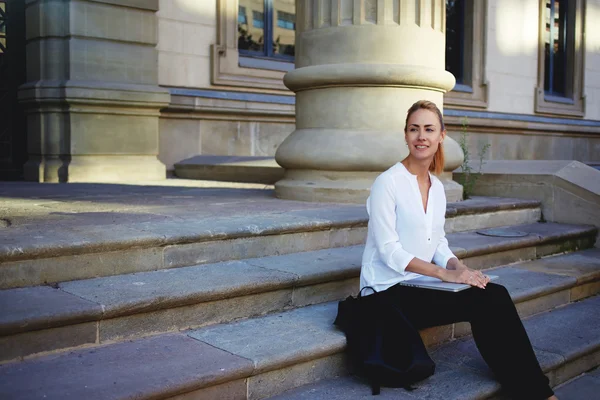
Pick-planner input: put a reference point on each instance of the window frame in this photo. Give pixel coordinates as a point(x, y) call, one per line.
point(230, 67)
point(473, 91)
point(573, 105)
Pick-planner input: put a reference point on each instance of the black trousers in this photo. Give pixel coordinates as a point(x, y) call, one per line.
point(497, 329)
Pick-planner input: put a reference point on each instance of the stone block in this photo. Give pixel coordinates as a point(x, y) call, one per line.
point(192, 11)
point(316, 266)
point(234, 390)
point(25, 344)
point(41, 307)
point(142, 292)
point(209, 252)
point(586, 290)
point(179, 139)
point(98, 134)
point(573, 368)
point(461, 329)
point(172, 69)
point(584, 387)
point(230, 168)
point(279, 340)
point(193, 316)
point(105, 21)
point(197, 39)
point(47, 19)
point(567, 245)
point(584, 265)
point(541, 304)
point(553, 331)
point(38, 271)
point(47, 59)
point(500, 258)
point(156, 367)
point(226, 138)
point(348, 237)
point(463, 223)
point(112, 61)
point(170, 35)
point(436, 335)
point(278, 381)
point(324, 292)
point(269, 136)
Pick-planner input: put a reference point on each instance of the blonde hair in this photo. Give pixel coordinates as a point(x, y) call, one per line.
point(437, 166)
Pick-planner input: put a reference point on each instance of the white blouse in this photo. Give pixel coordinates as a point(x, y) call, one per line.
point(400, 229)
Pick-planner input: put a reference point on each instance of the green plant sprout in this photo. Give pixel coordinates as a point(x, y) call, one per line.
point(468, 177)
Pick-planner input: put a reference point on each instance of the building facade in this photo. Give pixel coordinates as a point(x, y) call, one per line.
point(124, 89)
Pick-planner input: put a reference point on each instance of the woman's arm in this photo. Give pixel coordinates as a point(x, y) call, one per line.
point(454, 272)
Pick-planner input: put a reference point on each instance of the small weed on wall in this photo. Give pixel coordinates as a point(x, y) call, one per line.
point(469, 177)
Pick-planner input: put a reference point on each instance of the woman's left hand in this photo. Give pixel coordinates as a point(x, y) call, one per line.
point(456, 264)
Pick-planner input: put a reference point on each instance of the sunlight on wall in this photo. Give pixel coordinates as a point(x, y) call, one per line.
point(592, 34)
point(517, 26)
point(194, 6)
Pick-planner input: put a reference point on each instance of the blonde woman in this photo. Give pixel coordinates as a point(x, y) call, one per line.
point(406, 239)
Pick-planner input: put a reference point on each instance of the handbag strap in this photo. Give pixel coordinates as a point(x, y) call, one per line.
point(366, 287)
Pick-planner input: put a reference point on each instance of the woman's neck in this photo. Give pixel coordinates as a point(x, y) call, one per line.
point(418, 168)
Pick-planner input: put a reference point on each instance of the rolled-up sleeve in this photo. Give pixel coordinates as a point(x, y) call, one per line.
point(442, 253)
point(382, 222)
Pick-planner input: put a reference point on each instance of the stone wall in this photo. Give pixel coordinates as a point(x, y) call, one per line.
point(186, 29)
point(185, 138)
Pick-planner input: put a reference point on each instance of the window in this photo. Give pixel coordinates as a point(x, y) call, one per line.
point(455, 38)
point(286, 20)
point(465, 52)
point(557, 46)
point(268, 37)
point(560, 63)
point(242, 18)
point(258, 19)
point(240, 57)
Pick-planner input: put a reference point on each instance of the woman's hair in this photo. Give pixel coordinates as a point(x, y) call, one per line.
point(437, 166)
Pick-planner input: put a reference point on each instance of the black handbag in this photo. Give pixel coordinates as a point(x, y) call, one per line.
point(383, 344)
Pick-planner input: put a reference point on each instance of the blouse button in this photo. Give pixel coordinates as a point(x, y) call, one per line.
point(429, 239)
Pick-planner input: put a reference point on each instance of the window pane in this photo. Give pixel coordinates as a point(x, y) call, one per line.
point(455, 12)
point(251, 23)
point(556, 47)
point(284, 27)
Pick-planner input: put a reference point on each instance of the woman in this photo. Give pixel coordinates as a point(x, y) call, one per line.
point(406, 239)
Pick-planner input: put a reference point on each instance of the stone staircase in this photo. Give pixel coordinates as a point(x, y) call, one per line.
point(225, 309)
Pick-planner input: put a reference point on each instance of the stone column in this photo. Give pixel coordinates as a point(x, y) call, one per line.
point(92, 93)
point(360, 64)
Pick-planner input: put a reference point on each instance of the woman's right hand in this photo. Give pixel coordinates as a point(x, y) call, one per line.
point(468, 276)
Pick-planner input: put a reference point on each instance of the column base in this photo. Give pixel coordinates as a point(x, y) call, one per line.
point(342, 186)
point(96, 169)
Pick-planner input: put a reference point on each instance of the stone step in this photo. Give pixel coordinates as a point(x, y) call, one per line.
point(34, 254)
point(264, 357)
point(584, 387)
point(245, 169)
point(566, 341)
point(108, 309)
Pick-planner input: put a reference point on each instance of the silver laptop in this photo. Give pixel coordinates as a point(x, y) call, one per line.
point(428, 282)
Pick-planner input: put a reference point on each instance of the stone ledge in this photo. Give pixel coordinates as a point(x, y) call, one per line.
point(161, 366)
point(230, 168)
point(124, 95)
point(568, 190)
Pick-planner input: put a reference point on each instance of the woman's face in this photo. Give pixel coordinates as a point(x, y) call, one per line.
point(423, 134)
